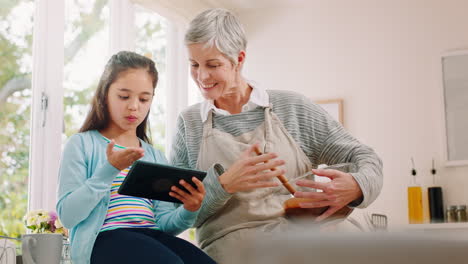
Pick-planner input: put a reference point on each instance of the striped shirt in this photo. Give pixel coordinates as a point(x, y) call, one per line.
point(127, 211)
point(323, 140)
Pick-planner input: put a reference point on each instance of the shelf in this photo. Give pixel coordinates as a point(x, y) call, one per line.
point(436, 226)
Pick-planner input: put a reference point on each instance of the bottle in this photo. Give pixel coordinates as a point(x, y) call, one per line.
point(461, 213)
point(436, 204)
point(451, 214)
point(415, 208)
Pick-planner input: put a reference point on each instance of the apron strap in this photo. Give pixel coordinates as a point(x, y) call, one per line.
point(208, 125)
point(268, 129)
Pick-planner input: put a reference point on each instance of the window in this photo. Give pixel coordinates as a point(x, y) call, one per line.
point(86, 41)
point(192, 89)
point(151, 41)
point(16, 20)
point(39, 111)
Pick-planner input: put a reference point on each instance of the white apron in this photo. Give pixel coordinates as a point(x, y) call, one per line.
point(245, 213)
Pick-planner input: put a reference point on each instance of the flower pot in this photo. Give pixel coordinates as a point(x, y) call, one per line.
point(42, 248)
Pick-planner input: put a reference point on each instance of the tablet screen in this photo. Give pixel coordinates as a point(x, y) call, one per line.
point(154, 181)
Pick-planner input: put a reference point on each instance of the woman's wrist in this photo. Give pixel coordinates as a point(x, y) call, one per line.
point(224, 183)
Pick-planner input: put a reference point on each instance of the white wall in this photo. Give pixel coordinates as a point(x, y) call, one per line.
point(383, 59)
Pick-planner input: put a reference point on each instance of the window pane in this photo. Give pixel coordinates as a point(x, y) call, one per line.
point(151, 33)
point(86, 48)
point(16, 30)
point(193, 91)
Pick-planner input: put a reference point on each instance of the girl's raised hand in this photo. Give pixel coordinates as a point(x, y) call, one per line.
point(193, 198)
point(121, 159)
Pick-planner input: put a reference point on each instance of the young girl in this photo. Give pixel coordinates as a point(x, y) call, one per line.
point(107, 227)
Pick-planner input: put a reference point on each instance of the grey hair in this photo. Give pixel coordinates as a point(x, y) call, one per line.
point(220, 27)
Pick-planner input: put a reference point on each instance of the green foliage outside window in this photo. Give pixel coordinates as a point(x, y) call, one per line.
point(15, 93)
point(15, 106)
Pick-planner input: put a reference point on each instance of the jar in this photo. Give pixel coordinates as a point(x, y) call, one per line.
point(461, 213)
point(451, 214)
point(66, 259)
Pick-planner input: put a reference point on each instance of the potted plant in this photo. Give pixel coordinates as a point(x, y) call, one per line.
point(44, 243)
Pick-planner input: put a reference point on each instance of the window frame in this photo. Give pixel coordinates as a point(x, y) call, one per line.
point(47, 79)
point(47, 103)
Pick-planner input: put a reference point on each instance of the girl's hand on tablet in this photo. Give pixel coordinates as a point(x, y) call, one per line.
point(193, 198)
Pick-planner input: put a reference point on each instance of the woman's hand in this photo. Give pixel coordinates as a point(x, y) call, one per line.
point(339, 192)
point(194, 198)
point(251, 172)
point(121, 159)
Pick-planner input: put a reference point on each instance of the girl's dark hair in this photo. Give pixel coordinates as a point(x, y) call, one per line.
point(98, 116)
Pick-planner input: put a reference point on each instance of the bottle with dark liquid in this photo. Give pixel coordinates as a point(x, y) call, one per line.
point(436, 204)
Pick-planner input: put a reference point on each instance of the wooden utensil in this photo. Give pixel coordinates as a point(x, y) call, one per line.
point(282, 178)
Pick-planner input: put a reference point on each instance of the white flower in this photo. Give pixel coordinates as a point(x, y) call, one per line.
point(43, 218)
point(58, 224)
point(31, 220)
point(29, 215)
point(38, 222)
point(43, 212)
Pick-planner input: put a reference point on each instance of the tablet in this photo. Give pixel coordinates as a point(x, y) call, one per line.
point(154, 181)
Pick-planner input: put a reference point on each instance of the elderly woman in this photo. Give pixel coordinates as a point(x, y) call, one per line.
point(237, 116)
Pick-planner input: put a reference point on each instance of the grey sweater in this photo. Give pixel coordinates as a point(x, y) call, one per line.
point(321, 138)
